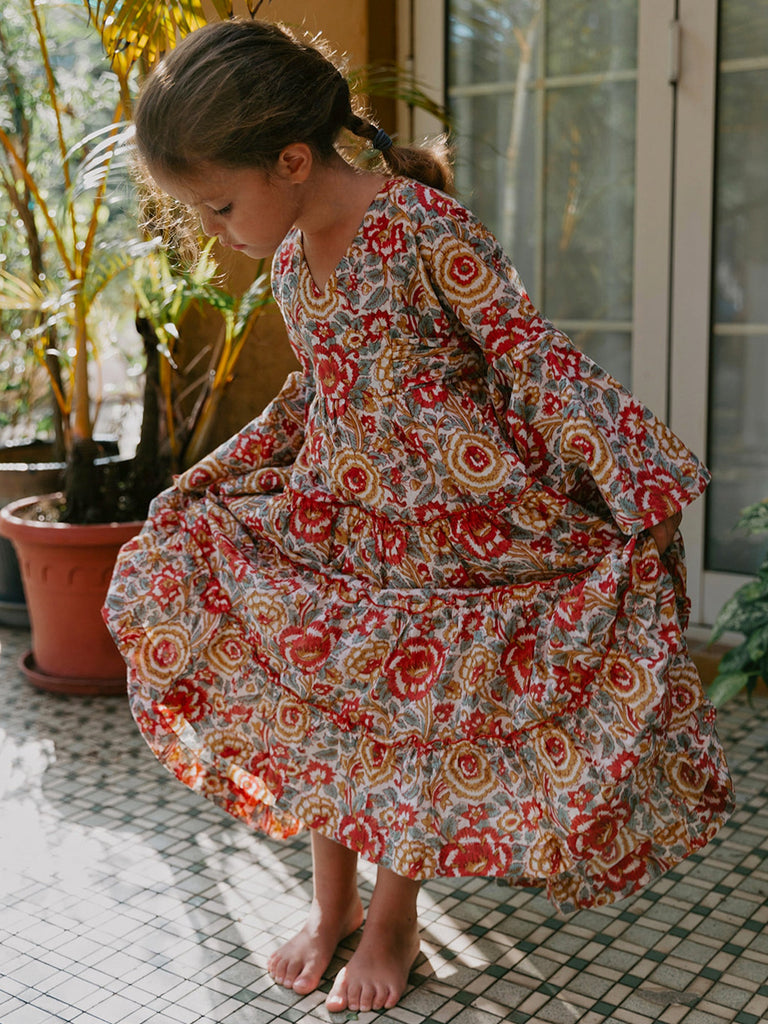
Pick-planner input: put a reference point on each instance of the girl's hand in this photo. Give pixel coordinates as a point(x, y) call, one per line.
point(663, 532)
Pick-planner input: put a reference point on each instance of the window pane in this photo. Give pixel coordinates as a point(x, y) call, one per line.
point(542, 96)
point(589, 202)
point(585, 37)
point(738, 441)
point(738, 449)
point(744, 29)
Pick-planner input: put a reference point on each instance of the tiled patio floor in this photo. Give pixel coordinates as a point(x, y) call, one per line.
point(125, 899)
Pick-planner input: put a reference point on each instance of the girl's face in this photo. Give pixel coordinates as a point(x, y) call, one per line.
point(249, 210)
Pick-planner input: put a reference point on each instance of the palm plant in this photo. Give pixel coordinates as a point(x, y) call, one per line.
point(164, 294)
point(65, 218)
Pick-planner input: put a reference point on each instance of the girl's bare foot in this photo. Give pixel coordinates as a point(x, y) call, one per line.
point(377, 974)
point(336, 912)
point(302, 961)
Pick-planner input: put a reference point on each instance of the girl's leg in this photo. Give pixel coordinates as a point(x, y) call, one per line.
point(336, 912)
point(376, 976)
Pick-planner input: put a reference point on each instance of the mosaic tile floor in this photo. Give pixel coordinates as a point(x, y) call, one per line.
point(126, 899)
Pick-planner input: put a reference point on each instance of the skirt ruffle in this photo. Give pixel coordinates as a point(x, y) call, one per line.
point(551, 732)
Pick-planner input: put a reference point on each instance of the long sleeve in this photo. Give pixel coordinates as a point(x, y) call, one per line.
point(272, 439)
point(574, 425)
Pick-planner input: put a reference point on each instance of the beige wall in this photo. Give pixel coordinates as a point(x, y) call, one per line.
point(266, 358)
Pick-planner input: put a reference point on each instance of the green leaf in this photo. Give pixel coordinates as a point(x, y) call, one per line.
point(726, 685)
point(743, 612)
point(754, 518)
point(735, 660)
point(757, 642)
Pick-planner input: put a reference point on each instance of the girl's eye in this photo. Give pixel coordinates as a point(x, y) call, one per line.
point(224, 210)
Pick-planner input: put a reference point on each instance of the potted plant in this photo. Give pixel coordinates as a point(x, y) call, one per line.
point(101, 505)
point(746, 612)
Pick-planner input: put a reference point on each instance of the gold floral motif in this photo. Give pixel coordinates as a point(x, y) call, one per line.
point(356, 476)
point(318, 812)
point(414, 859)
point(291, 721)
point(580, 442)
point(475, 462)
point(468, 770)
point(163, 653)
point(228, 650)
point(557, 755)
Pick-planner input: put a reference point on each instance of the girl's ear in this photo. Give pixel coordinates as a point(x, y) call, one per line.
point(295, 162)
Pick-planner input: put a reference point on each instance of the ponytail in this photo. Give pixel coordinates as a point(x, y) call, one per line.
point(430, 164)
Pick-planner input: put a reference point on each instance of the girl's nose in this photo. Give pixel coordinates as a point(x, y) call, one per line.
point(208, 222)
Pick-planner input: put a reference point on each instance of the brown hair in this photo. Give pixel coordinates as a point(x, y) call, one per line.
point(238, 92)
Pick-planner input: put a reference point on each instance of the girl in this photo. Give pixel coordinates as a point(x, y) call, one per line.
point(430, 603)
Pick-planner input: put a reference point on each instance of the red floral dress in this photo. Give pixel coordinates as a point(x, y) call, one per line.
point(414, 604)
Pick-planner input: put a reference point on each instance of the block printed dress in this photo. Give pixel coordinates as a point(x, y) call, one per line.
point(414, 604)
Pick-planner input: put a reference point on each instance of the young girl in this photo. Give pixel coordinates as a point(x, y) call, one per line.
point(430, 603)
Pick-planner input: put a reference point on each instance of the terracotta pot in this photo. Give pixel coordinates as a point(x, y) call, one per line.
point(66, 570)
point(26, 468)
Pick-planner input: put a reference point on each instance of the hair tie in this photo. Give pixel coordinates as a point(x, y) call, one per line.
point(381, 140)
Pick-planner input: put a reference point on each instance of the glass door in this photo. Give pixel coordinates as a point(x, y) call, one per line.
point(719, 320)
point(619, 151)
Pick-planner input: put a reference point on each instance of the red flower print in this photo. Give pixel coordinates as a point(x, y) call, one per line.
point(198, 478)
point(564, 360)
point(430, 394)
point(649, 569)
point(531, 813)
point(311, 521)
point(659, 494)
point(361, 832)
point(632, 422)
point(475, 813)
point(166, 586)
point(385, 236)
point(336, 376)
point(308, 647)
point(464, 270)
point(517, 660)
point(623, 765)
point(253, 449)
point(494, 314)
point(529, 443)
point(552, 403)
point(474, 853)
point(188, 700)
point(480, 535)
point(268, 481)
point(391, 543)
point(569, 611)
point(215, 598)
point(323, 332)
point(592, 833)
point(632, 872)
point(378, 322)
point(414, 667)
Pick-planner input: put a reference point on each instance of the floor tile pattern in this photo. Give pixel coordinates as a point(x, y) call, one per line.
point(126, 899)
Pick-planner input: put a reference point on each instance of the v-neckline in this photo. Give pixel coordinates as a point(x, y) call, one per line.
point(333, 276)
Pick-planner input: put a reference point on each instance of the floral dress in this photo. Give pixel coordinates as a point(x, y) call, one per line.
point(414, 604)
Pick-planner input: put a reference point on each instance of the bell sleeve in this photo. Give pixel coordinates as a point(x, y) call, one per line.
point(578, 430)
point(269, 442)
